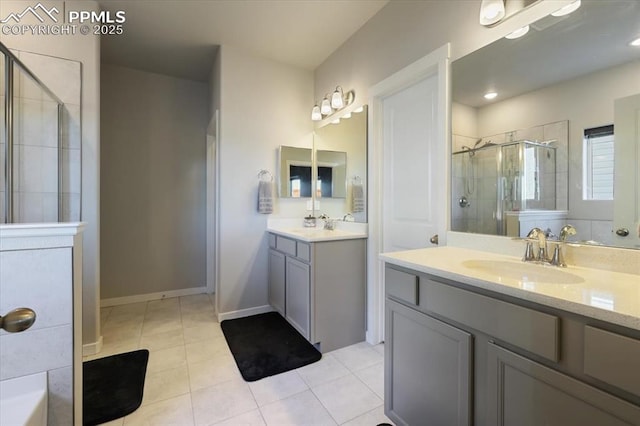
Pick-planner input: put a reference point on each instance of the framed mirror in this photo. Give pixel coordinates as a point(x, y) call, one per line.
point(295, 172)
point(341, 161)
point(553, 144)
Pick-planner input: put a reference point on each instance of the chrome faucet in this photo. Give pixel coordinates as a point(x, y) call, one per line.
point(329, 224)
point(348, 216)
point(542, 246)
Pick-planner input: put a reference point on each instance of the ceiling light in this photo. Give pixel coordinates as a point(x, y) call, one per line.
point(325, 107)
point(491, 11)
point(518, 33)
point(572, 7)
point(490, 95)
point(337, 99)
point(635, 43)
point(315, 113)
point(359, 109)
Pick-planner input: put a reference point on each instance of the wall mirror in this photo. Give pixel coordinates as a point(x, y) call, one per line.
point(295, 172)
point(341, 156)
point(558, 143)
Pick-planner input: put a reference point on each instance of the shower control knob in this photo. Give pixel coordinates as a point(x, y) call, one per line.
point(18, 320)
point(463, 202)
point(622, 232)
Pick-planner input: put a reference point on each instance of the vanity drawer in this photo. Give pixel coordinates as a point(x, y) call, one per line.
point(303, 251)
point(401, 285)
point(286, 245)
point(272, 241)
point(533, 331)
point(612, 358)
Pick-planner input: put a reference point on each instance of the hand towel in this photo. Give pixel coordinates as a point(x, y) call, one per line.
point(265, 197)
point(357, 198)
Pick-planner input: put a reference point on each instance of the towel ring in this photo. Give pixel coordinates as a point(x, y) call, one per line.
point(266, 173)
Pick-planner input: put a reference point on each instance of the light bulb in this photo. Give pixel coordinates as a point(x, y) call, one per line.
point(635, 43)
point(490, 95)
point(337, 98)
point(491, 11)
point(325, 107)
point(518, 33)
point(315, 113)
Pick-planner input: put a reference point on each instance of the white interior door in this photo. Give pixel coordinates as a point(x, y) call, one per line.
point(412, 176)
point(626, 204)
point(408, 160)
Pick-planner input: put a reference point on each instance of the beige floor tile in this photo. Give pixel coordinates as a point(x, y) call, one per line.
point(104, 314)
point(116, 422)
point(371, 418)
point(202, 332)
point(115, 333)
point(140, 307)
point(165, 340)
point(196, 318)
point(207, 349)
point(346, 398)
point(379, 348)
point(117, 347)
point(251, 418)
point(165, 385)
point(166, 359)
point(216, 370)
point(161, 326)
point(358, 356)
point(300, 409)
point(373, 377)
point(175, 411)
point(220, 402)
point(172, 303)
point(277, 387)
point(323, 371)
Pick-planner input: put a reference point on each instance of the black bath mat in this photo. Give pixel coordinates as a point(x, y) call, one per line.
point(113, 386)
point(266, 344)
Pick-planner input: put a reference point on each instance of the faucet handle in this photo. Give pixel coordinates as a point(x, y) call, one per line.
point(528, 253)
point(557, 260)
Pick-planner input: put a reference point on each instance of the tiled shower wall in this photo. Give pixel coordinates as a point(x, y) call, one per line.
point(37, 157)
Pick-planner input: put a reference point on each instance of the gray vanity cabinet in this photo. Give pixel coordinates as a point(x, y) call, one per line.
point(456, 355)
point(428, 369)
point(521, 392)
point(320, 288)
point(298, 295)
point(276, 280)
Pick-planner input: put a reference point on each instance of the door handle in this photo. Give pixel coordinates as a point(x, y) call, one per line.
point(18, 320)
point(622, 232)
point(434, 239)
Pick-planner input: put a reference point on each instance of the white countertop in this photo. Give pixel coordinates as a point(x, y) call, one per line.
point(293, 228)
point(604, 295)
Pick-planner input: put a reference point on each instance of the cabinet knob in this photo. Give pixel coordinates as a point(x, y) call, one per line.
point(18, 320)
point(434, 239)
point(622, 232)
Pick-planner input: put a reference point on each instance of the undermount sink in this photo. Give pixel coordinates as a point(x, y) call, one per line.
point(524, 272)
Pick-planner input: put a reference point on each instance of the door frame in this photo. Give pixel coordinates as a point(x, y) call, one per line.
point(435, 63)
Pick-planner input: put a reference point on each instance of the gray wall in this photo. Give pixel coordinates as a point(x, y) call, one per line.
point(153, 133)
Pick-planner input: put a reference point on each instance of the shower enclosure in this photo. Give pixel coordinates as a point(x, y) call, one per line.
point(493, 181)
point(31, 150)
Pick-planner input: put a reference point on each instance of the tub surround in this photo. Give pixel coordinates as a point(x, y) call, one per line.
point(608, 296)
point(41, 268)
point(294, 228)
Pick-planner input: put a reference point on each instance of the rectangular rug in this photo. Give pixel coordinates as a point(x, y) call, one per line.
point(113, 386)
point(266, 344)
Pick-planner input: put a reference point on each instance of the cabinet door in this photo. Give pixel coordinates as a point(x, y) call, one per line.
point(276, 280)
point(427, 369)
point(524, 393)
point(298, 300)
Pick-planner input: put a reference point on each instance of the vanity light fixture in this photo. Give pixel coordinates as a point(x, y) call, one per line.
point(635, 43)
point(518, 33)
point(333, 103)
point(491, 11)
point(572, 7)
point(490, 95)
point(336, 121)
point(359, 109)
point(316, 115)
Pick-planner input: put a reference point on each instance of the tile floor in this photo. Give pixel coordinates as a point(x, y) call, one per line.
point(192, 378)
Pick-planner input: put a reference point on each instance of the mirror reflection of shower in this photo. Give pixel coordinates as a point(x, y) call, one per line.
point(497, 186)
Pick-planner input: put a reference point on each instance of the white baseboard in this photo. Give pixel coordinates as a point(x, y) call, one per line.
point(244, 312)
point(115, 301)
point(92, 348)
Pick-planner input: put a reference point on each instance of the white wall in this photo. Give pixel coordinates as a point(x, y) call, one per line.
point(263, 104)
point(86, 50)
point(153, 156)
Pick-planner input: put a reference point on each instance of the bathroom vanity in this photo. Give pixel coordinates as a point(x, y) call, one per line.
point(317, 282)
point(478, 338)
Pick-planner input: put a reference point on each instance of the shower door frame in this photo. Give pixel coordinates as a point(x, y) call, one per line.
point(10, 60)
